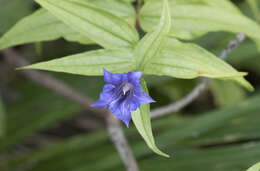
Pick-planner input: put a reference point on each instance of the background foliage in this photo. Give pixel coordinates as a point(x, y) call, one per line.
point(40, 130)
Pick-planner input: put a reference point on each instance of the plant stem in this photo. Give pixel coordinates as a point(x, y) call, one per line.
point(138, 7)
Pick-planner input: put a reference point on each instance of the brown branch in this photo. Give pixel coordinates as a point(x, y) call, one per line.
point(44, 79)
point(116, 134)
point(177, 106)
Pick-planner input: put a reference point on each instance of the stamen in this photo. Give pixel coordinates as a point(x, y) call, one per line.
point(127, 87)
point(122, 92)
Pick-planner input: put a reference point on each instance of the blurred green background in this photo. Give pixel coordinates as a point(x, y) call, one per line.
point(42, 131)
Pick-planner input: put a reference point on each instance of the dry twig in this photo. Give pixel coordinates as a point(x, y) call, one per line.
point(122, 146)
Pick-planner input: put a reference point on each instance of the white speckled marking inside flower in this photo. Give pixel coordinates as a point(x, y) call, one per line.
point(127, 87)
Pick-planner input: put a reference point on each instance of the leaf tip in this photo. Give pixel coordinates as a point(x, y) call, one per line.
point(165, 155)
point(250, 87)
point(159, 152)
point(21, 68)
point(25, 67)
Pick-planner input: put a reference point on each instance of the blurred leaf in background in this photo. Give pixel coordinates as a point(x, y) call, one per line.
point(13, 10)
point(190, 140)
point(23, 120)
point(227, 93)
point(195, 18)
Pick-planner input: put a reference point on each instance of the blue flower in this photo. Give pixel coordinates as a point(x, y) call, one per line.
point(122, 94)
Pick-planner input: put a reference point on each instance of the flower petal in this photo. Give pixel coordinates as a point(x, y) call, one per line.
point(122, 111)
point(120, 97)
point(134, 79)
point(142, 98)
point(106, 96)
point(108, 88)
point(114, 79)
point(132, 76)
point(100, 104)
point(134, 104)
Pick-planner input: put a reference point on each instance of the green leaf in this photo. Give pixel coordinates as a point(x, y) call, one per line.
point(2, 119)
point(175, 59)
point(195, 18)
point(129, 1)
point(123, 10)
point(40, 26)
point(142, 120)
point(256, 167)
point(187, 60)
point(43, 26)
point(98, 25)
point(246, 56)
point(151, 43)
point(90, 63)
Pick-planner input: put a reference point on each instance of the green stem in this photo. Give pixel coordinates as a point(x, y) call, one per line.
point(138, 7)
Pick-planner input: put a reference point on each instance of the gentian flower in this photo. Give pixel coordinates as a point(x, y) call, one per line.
point(122, 94)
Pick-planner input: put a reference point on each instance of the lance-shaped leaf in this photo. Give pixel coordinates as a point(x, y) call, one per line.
point(98, 25)
point(187, 60)
point(223, 4)
point(90, 63)
point(151, 43)
point(142, 120)
point(175, 59)
point(195, 18)
point(123, 10)
point(40, 26)
point(43, 26)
